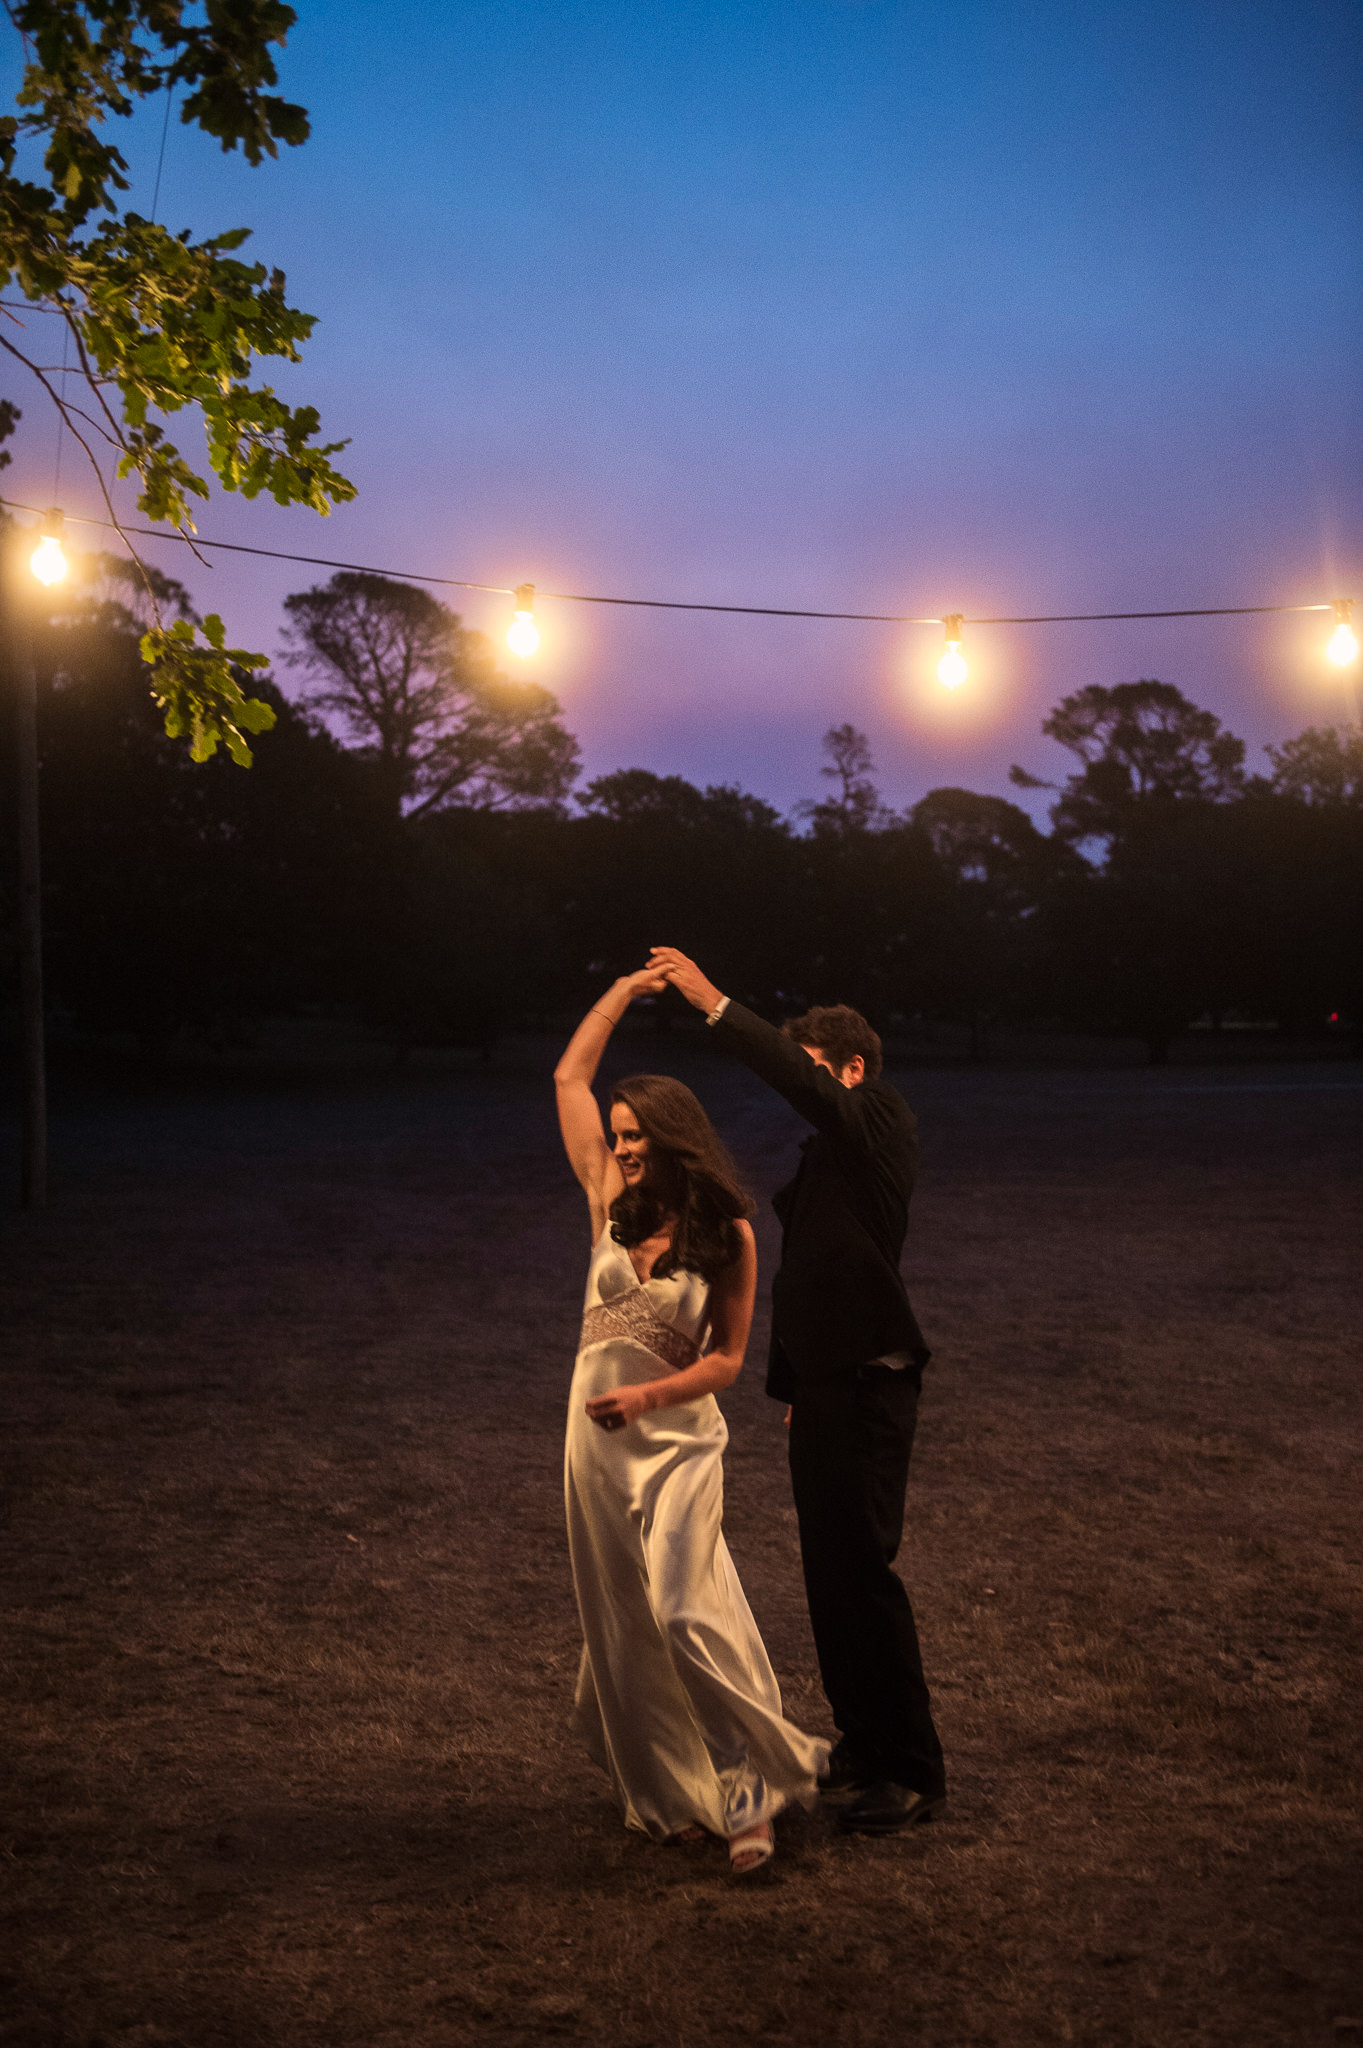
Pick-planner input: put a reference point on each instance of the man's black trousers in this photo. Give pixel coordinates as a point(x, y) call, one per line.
point(850, 1439)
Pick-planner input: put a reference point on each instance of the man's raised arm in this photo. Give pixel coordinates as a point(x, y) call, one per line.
point(811, 1090)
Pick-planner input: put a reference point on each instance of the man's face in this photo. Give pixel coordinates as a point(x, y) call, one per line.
point(851, 1076)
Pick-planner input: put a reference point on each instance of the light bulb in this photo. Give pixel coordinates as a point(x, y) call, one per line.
point(47, 561)
point(953, 668)
point(1343, 644)
point(523, 635)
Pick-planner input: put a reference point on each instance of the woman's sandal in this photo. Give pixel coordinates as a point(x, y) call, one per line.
point(685, 1837)
point(751, 1851)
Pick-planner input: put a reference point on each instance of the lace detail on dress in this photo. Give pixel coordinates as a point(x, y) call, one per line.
point(632, 1316)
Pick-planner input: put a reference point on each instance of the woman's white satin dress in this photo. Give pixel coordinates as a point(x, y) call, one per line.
point(676, 1697)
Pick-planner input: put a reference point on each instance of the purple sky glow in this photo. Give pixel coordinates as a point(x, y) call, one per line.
point(847, 304)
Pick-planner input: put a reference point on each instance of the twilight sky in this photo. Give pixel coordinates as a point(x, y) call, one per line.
point(995, 306)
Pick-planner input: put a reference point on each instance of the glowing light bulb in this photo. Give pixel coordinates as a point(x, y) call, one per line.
point(953, 668)
point(47, 561)
point(523, 635)
point(1343, 644)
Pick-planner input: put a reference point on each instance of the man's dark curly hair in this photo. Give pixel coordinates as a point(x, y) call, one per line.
point(840, 1032)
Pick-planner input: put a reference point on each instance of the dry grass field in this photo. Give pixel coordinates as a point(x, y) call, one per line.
point(288, 1633)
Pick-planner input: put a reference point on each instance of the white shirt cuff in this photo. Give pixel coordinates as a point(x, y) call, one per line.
point(720, 1007)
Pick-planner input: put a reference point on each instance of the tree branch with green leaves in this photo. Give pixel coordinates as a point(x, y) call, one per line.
point(160, 322)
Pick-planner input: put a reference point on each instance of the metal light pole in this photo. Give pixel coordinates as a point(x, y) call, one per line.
point(33, 1107)
point(32, 1050)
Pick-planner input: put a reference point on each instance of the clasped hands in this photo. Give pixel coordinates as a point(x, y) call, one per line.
point(685, 977)
point(669, 968)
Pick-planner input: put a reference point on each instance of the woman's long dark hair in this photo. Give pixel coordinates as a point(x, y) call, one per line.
point(691, 1172)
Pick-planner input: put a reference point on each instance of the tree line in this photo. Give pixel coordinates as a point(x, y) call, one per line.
point(413, 848)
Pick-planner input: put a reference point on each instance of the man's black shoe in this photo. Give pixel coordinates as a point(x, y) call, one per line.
point(884, 1808)
point(845, 1771)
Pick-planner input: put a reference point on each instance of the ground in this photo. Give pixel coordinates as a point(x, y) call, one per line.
point(289, 1635)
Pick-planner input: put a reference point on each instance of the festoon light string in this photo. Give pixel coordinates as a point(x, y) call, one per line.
point(523, 637)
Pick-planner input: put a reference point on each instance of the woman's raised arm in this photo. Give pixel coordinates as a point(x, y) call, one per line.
point(579, 1113)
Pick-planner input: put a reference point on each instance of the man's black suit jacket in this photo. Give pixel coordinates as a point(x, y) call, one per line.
point(839, 1299)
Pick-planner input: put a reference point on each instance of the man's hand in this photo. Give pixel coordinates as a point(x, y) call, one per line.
point(685, 977)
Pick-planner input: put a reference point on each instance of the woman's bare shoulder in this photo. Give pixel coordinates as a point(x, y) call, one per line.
point(746, 1262)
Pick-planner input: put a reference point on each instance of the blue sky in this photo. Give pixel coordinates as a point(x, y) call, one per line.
point(883, 307)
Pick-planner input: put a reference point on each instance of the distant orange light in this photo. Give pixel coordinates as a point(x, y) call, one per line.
point(953, 668)
point(48, 562)
point(1343, 646)
point(522, 635)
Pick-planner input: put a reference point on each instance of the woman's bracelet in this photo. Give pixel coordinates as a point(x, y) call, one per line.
point(603, 1013)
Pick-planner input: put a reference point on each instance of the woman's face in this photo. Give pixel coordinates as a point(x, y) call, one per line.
point(632, 1148)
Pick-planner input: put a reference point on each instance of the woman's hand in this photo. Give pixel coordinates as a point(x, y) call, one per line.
point(685, 977)
point(620, 1407)
point(646, 982)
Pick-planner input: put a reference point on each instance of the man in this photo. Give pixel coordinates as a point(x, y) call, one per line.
point(847, 1355)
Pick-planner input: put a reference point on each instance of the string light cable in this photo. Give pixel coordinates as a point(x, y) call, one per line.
point(523, 635)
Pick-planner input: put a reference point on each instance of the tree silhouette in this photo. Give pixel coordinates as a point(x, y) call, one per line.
point(179, 895)
point(421, 694)
point(1323, 765)
point(985, 839)
point(996, 874)
point(718, 865)
point(856, 807)
point(1148, 945)
point(1140, 743)
point(636, 796)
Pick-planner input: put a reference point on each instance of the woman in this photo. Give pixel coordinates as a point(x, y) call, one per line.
point(676, 1698)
